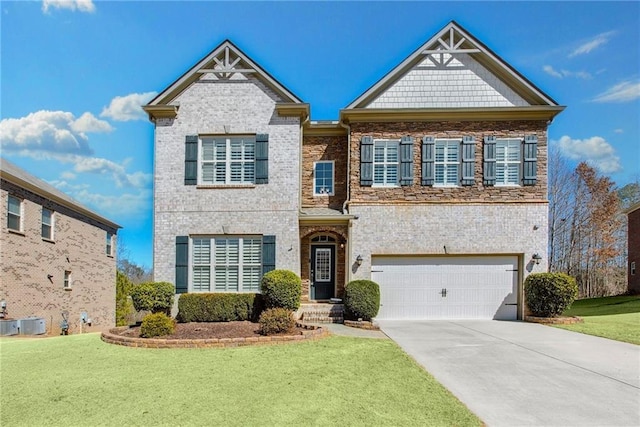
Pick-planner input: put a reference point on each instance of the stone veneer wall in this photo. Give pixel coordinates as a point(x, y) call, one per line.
point(634, 250)
point(324, 148)
point(339, 232)
point(244, 106)
point(78, 246)
point(474, 193)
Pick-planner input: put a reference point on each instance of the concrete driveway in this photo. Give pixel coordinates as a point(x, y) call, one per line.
point(524, 374)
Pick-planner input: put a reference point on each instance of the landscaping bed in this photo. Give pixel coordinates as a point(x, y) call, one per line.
point(213, 334)
point(206, 330)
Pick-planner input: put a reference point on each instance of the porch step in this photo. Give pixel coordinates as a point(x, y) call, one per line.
point(321, 313)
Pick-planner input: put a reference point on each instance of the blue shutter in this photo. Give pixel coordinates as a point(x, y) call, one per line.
point(406, 160)
point(489, 160)
point(468, 160)
point(262, 159)
point(428, 159)
point(182, 264)
point(191, 160)
point(268, 253)
point(366, 161)
point(530, 158)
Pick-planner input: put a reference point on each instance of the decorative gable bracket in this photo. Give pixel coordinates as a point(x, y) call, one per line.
point(224, 65)
point(451, 46)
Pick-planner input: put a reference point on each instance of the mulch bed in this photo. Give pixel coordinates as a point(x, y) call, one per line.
point(191, 331)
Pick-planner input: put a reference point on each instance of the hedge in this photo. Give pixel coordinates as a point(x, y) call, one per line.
point(156, 297)
point(361, 299)
point(276, 320)
point(219, 307)
point(549, 294)
point(157, 325)
point(281, 289)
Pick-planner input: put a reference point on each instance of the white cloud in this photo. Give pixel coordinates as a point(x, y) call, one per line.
point(50, 132)
point(622, 92)
point(68, 175)
point(550, 70)
point(595, 42)
point(89, 123)
point(596, 151)
point(100, 166)
point(618, 130)
point(73, 5)
point(565, 73)
point(128, 107)
point(126, 204)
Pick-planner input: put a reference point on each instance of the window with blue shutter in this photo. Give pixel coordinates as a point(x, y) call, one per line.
point(530, 158)
point(191, 160)
point(182, 264)
point(406, 160)
point(489, 165)
point(366, 161)
point(268, 253)
point(468, 160)
point(428, 159)
point(262, 159)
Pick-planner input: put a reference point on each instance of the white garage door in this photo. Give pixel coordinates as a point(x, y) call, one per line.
point(447, 287)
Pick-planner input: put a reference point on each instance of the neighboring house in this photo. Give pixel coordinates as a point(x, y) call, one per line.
point(433, 182)
point(55, 255)
point(633, 215)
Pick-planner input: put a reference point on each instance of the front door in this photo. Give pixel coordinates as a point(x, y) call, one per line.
point(323, 276)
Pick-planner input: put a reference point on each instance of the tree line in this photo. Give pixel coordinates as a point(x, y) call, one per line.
point(588, 226)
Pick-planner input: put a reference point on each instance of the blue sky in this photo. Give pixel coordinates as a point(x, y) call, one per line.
point(74, 72)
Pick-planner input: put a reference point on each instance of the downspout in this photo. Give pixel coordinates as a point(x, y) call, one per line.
point(345, 205)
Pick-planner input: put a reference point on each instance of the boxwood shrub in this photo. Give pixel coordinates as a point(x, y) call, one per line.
point(157, 325)
point(281, 289)
point(549, 294)
point(156, 297)
point(276, 320)
point(361, 299)
point(219, 307)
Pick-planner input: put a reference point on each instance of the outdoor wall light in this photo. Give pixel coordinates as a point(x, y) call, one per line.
point(536, 258)
point(359, 260)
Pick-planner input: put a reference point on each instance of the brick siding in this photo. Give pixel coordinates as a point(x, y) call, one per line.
point(634, 250)
point(79, 246)
point(471, 194)
point(318, 148)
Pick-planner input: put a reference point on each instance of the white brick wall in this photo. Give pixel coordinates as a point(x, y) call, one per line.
point(463, 229)
point(461, 83)
point(247, 107)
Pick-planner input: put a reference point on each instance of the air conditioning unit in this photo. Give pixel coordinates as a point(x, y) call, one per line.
point(8, 327)
point(32, 326)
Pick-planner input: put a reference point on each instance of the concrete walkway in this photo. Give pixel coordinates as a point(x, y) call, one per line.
point(523, 374)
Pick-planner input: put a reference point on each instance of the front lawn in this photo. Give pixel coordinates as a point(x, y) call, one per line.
point(79, 380)
point(616, 318)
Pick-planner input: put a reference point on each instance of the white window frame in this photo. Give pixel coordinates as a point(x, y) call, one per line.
point(227, 161)
point(109, 244)
point(20, 215)
point(50, 224)
point(445, 163)
point(242, 264)
point(505, 163)
point(67, 281)
point(385, 163)
point(333, 177)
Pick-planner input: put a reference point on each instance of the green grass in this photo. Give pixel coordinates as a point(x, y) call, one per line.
point(616, 318)
point(79, 380)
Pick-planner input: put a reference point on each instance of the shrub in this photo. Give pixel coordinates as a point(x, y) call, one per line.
point(124, 307)
point(549, 294)
point(276, 320)
point(361, 299)
point(219, 307)
point(156, 297)
point(157, 325)
point(281, 289)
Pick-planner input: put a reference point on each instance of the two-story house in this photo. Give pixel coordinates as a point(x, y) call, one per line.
point(431, 183)
point(56, 256)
